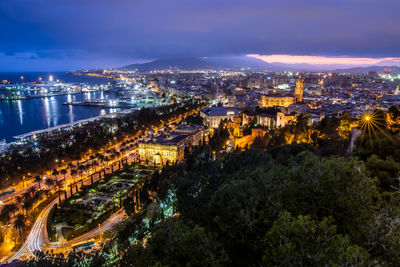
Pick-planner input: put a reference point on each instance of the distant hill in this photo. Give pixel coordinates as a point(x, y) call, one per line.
point(234, 63)
point(243, 62)
point(176, 63)
point(378, 69)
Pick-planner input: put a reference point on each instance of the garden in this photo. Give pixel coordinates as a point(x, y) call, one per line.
point(86, 209)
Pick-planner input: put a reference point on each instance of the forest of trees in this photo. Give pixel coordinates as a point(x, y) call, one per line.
point(298, 204)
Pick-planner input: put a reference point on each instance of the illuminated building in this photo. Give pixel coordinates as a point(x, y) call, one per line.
point(169, 148)
point(276, 100)
point(248, 118)
point(284, 100)
point(282, 119)
point(267, 120)
point(298, 91)
point(160, 153)
point(213, 116)
point(278, 120)
point(248, 140)
point(397, 91)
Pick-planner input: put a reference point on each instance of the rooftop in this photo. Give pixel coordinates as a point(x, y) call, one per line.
point(220, 111)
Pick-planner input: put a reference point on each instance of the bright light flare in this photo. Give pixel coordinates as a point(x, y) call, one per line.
point(369, 123)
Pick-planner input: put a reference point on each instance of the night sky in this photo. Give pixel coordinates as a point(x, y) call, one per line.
point(73, 34)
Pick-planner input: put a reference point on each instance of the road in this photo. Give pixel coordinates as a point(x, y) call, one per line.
point(65, 247)
point(37, 239)
point(34, 241)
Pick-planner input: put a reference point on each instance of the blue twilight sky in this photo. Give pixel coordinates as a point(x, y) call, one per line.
point(41, 35)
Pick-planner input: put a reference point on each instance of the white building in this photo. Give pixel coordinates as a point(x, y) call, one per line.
point(213, 116)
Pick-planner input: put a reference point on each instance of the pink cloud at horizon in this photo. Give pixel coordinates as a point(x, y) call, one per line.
point(321, 60)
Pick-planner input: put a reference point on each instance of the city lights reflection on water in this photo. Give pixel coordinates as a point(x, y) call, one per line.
point(20, 111)
point(22, 116)
point(46, 114)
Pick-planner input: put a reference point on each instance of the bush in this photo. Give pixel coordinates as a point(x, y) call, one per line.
point(50, 230)
point(88, 227)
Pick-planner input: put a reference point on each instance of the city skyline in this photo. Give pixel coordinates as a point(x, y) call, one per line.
point(199, 133)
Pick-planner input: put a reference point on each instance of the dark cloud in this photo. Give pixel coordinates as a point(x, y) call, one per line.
point(126, 30)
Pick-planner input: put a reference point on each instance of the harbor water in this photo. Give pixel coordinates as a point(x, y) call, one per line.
point(22, 116)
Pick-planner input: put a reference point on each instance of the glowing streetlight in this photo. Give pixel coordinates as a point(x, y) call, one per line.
point(369, 123)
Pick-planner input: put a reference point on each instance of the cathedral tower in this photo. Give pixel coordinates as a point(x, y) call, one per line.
point(298, 92)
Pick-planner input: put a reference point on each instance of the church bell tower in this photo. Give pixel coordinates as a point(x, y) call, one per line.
point(298, 92)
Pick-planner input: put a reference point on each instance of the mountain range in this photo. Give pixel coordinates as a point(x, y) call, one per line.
point(246, 63)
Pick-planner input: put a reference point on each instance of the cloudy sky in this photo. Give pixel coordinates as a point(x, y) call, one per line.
point(73, 34)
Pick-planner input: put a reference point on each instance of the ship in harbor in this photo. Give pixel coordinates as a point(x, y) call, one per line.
point(37, 90)
point(3, 145)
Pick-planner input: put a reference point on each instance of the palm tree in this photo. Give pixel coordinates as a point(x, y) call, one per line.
point(38, 180)
point(63, 172)
point(81, 180)
point(73, 173)
point(26, 196)
point(81, 169)
point(19, 224)
point(50, 182)
point(46, 192)
point(55, 173)
point(59, 192)
point(28, 204)
point(19, 199)
point(38, 195)
point(94, 164)
point(92, 157)
point(70, 165)
point(9, 209)
point(4, 220)
point(59, 184)
point(101, 159)
point(31, 190)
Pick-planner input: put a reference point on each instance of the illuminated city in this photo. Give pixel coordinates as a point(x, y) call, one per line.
point(215, 133)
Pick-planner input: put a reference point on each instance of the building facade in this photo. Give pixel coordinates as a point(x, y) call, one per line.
point(212, 116)
point(276, 100)
point(283, 100)
point(170, 148)
point(160, 154)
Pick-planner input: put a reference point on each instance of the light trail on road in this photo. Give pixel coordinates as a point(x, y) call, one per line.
point(110, 222)
point(34, 241)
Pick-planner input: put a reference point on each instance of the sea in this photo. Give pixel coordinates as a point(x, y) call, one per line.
point(23, 116)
